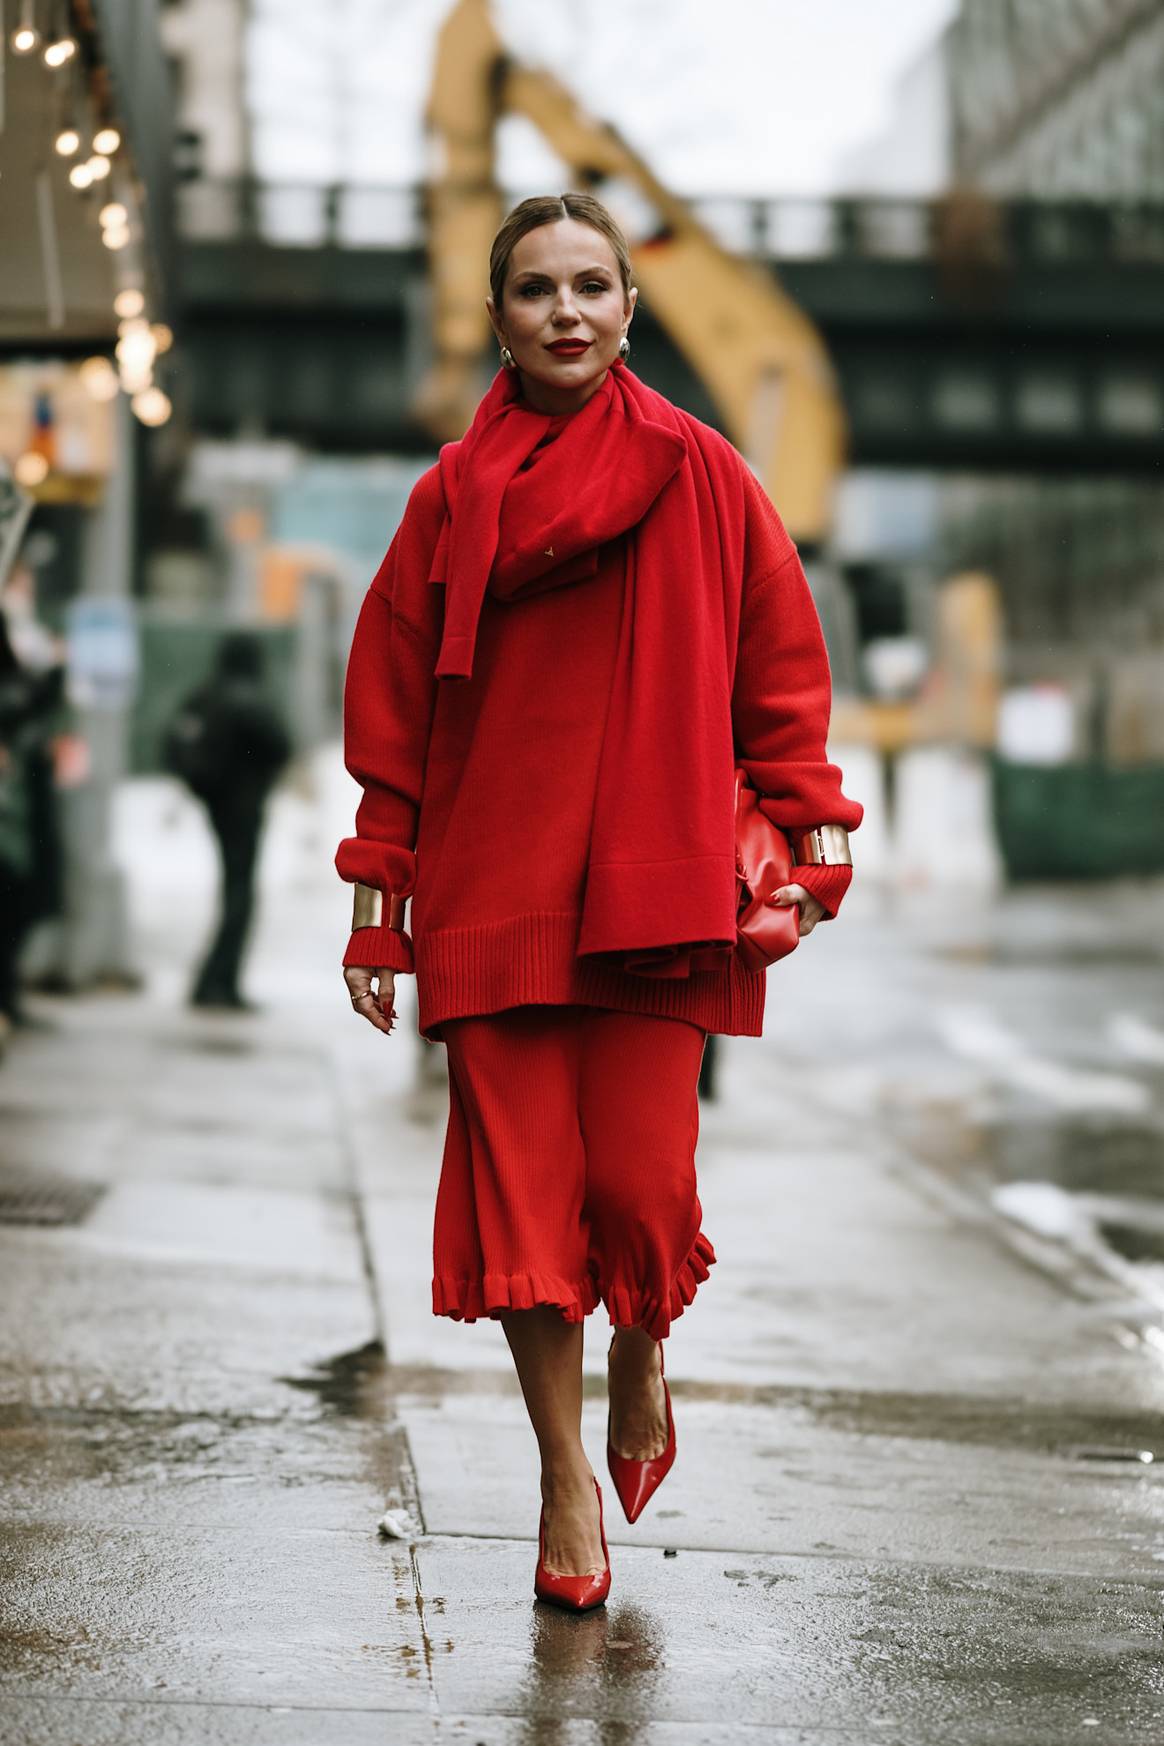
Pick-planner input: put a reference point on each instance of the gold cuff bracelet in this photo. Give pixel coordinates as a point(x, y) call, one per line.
point(368, 908)
point(826, 845)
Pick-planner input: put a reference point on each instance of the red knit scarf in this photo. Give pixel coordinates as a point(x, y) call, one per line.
point(661, 887)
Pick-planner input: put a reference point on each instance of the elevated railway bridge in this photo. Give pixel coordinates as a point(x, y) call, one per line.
point(965, 334)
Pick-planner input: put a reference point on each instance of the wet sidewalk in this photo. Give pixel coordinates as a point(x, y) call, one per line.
point(909, 1502)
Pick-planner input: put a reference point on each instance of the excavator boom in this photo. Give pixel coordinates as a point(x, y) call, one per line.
point(762, 360)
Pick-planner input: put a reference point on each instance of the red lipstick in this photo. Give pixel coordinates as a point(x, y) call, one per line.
point(570, 348)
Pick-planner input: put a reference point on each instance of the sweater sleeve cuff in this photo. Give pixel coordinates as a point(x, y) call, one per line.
point(380, 949)
point(826, 881)
point(368, 861)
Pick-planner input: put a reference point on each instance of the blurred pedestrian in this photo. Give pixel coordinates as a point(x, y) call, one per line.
point(31, 863)
point(589, 615)
point(229, 744)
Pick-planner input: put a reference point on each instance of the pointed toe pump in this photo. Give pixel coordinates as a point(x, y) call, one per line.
point(576, 1593)
point(636, 1482)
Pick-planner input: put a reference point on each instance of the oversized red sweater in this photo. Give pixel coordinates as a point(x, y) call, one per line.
point(478, 795)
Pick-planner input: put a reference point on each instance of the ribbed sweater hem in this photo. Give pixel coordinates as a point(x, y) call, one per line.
point(530, 960)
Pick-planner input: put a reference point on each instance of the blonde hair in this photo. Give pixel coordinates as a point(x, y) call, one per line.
point(551, 209)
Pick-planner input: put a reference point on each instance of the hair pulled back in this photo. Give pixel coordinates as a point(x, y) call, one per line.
point(551, 209)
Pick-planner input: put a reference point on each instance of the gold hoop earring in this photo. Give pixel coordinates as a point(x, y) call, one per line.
point(624, 348)
point(507, 358)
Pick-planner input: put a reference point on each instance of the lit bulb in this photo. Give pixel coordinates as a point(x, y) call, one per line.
point(99, 167)
point(115, 236)
point(106, 140)
point(129, 302)
point(135, 355)
point(114, 215)
point(80, 175)
point(152, 406)
point(67, 141)
point(137, 344)
point(135, 381)
point(31, 468)
point(99, 378)
point(57, 53)
point(163, 336)
point(25, 39)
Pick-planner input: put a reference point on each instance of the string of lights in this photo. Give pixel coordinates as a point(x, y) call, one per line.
point(86, 135)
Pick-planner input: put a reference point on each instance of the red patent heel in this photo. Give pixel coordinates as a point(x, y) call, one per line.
point(636, 1482)
point(576, 1593)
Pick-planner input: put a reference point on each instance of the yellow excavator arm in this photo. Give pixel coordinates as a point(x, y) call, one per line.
point(761, 358)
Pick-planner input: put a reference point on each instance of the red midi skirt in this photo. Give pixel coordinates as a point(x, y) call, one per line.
point(568, 1175)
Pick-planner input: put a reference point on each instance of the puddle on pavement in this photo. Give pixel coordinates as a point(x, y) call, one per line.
point(1120, 1162)
point(1048, 954)
point(352, 1385)
point(1138, 1457)
point(78, 1456)
point(999, 1422)
point(36, 1197)
point(1139, 1243)
point(1083, 1155)
point(1119, 1158)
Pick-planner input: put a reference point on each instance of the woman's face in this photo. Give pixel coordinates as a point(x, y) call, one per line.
point(563, 313)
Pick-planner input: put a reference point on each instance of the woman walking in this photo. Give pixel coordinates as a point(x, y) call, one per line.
point(589, 616)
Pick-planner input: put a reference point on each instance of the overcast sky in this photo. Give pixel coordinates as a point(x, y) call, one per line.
point(722, 96)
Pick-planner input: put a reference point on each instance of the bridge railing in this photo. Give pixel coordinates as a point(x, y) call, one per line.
point(962, 226)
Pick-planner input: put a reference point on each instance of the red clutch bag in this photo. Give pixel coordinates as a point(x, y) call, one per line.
point(764, 931)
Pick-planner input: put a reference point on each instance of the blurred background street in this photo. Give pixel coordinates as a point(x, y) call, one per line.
point(914, 268)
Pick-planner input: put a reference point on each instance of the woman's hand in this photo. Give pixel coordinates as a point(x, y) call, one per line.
point(811, 911)
point(376, 1006)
